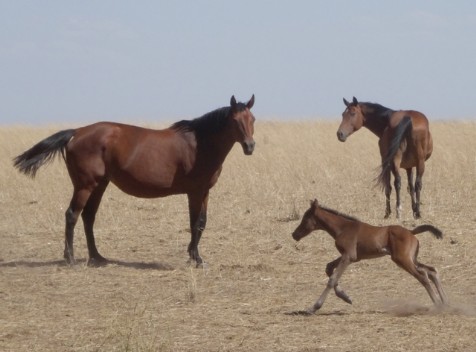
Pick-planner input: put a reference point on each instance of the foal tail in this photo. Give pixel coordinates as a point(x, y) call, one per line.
point(403, 127)
point(424, 228)
point(43, 152)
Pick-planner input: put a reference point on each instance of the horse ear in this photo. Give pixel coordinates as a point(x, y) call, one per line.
point(346, 102)
point(232, 101)
point(250, 104)
point(354, 101)
point(314, 203)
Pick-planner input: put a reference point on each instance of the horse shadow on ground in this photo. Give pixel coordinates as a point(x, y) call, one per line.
point(400, 310)
point(305, 313)
point(62, 263)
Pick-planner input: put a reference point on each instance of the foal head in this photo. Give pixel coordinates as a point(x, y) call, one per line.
point(308, 223)
point(243, 124)
point(352, 120)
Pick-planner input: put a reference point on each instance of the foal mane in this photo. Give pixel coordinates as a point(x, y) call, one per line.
point(338, 213)
point(210, 123)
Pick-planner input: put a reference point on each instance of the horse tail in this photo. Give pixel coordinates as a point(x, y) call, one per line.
point(402, 130)
point(424, 228)
point(43, 152)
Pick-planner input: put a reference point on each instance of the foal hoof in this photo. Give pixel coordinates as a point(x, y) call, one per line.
point(97, 262)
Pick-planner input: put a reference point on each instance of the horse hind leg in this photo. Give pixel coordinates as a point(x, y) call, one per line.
point(89, 216)
point(398, 184)
point(78, 201)
point(388, 192)
point(434, 277)
point(411, 190)
point(418, 187)
point(408, 264)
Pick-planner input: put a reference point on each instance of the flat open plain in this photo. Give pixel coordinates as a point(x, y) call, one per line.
point(151, 299)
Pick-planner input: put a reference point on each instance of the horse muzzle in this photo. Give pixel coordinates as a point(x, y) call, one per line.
point(248, 147)
point(341, 136)
point(297, 235)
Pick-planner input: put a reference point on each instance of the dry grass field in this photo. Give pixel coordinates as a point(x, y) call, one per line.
point(151, 299)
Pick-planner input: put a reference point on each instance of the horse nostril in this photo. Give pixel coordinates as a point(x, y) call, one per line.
point(340, 136)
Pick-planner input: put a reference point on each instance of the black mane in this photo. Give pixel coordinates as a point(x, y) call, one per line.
point(335, 212)
point(212, 122)
point(377, 110)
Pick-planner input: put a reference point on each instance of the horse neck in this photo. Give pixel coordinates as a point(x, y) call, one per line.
point(217, 145)
point(331, 223)
point(374, 122)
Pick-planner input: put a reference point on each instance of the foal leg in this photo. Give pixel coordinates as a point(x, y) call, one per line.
point(338, 291)
point(197, 204)
point(420, 274)
point(433, 275)
point(333, 281)
point(89, 216)
point(78, 201)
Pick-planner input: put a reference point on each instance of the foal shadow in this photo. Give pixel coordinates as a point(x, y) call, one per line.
point(62, 263)
point(305, 313)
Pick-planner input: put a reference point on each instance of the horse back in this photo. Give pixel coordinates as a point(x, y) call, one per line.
point(140, 161)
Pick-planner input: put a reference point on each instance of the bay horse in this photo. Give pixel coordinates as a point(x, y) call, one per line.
point(404, 141)
point(356, 240)
point(185, 158)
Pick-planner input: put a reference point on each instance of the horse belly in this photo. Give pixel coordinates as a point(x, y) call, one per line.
point(147, 182)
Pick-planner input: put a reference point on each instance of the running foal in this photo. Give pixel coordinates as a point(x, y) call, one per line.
point(356, 240)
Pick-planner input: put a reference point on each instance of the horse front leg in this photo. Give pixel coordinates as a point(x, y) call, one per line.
point(198, 219)
point(338, 291)
point(333, 282)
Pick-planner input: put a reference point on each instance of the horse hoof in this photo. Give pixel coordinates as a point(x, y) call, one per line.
point(97, 262)
point(202, 265)
point(70, 261)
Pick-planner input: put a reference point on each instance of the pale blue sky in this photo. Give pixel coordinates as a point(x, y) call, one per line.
point(144, 61)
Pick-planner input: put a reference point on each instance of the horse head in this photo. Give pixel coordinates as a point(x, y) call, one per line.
point(352, 120)
point(309, 222)
point(243, 123)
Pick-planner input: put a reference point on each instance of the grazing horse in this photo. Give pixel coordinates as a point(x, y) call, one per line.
point(404, 141)
point(356, 240)
point(185, 158)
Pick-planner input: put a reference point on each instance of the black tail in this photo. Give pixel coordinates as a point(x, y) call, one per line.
point(43, 152)
point(423, 228)
point(401, 131)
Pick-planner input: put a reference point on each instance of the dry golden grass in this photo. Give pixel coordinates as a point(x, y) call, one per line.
point(152, 300)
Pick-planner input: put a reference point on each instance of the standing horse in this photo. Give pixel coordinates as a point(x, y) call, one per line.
point(356, 240)
point(185, 158)
point(404, 141)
